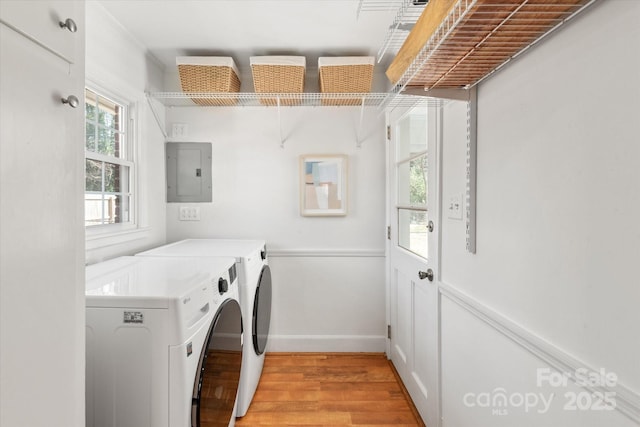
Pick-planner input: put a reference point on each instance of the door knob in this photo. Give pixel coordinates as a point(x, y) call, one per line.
point(69, 24)
point(426, 275)
point(72, 100)
point(430, 226)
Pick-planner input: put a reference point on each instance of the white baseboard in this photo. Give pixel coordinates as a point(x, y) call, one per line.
point(327, 343)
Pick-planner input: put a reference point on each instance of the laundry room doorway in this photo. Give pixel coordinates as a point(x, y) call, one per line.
point(413, 206)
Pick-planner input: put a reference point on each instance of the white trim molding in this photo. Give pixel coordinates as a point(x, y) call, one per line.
point(327, 343)
point(326, 253)
point(98, 241)
point(627, 400)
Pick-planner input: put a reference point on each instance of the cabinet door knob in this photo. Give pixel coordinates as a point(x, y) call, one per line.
point(69, 24)
point(71, 100)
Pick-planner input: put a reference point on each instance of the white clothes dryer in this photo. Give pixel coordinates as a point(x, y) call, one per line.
point(255, 299)
point(155, 354)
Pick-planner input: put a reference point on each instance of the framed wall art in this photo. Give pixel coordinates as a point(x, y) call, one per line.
point(323, 185)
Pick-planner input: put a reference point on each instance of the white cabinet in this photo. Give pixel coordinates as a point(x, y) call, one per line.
point(40, 21)
point(41, 230)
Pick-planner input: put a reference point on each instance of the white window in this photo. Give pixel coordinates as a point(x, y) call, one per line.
point(413, 187)
point(108, 161)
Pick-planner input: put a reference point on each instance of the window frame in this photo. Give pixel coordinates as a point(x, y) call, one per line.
point(401, 159)
point(129, 159)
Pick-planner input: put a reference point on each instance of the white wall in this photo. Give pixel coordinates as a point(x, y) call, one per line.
point(508, 385)
point(328, 272)
point(558, 235)
point(116, 62)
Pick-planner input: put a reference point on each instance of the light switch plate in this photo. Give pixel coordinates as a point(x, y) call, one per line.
point(179, 130)
point(188, 213)
point(454, 207)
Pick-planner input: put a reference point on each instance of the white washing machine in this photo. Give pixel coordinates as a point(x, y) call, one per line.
point(255, 299)
point(156, 356)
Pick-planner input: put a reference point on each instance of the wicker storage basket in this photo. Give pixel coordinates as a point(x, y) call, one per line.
point(278, 74)
point(208, 74)
point(345, 74)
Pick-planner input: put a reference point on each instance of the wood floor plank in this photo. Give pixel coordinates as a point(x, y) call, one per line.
point(296, 418)
point(370, 406)
point(358, 396)
point(329, 389)
point(397, 417)
point(286, 396)
point(384, 425)
point(350, 373)
point(287, 376)
point(287, 385)
point(390, 386)
point(297, 406)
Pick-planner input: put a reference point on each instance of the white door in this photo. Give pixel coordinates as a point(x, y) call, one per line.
point(413, 254)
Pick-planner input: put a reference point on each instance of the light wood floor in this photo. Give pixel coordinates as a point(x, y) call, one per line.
point(329, 389)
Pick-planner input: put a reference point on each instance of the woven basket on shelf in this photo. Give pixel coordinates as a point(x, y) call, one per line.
point(208, 74)
point(278, 74)
point(346, 74)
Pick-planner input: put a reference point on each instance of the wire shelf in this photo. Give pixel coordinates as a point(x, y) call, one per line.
point(478, 37)
point(378, 5)
point(407, 14)
point(380, 100)
point(410, 101)
point(180, 99)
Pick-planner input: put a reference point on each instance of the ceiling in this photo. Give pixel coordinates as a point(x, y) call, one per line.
point(242, 28)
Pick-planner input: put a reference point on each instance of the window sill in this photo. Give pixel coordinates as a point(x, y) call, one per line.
point(98, 239)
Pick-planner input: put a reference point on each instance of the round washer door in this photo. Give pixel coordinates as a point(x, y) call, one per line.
point(262, 311)
point(218, 374)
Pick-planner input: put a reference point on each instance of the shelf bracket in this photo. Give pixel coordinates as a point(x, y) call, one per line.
point(359, 129)
point(155, 115)
point(472, 150)
point(280, 123)
point(453, 94)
